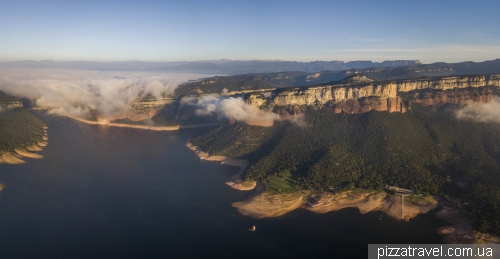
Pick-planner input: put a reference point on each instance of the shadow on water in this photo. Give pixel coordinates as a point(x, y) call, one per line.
point(103, 192)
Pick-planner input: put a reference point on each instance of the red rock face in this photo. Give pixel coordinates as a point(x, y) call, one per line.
point(460, 97)
point(453, 97)
point(367, 104)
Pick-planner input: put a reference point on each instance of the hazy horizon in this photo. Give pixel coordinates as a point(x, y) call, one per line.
point(239, 60)
point(155, 31)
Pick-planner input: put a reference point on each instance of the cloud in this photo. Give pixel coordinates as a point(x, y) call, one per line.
point(233, 108)
point(481, 112)
point(78, 92)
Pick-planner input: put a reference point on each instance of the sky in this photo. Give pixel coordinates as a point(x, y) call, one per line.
point(430, 31)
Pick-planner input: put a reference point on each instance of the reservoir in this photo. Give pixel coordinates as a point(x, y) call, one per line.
point(105, 192)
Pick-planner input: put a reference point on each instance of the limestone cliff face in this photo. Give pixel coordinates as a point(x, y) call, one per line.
point(255, 100)
point(443, 83)
point(336, 93)
point(344, 91)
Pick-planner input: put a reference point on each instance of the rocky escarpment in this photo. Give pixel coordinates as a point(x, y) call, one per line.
point(359, 94)
point(346, 90)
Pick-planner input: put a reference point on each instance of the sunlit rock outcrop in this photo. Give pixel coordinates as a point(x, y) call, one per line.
point(357, 94)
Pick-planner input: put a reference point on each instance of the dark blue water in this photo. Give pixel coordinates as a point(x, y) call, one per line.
point(103, 192)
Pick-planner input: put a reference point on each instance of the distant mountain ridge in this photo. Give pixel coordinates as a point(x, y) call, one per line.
point(231, 67)
point(256, 81)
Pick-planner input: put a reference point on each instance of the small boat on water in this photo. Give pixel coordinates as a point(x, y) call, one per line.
point(253, 228)
point(381, 216)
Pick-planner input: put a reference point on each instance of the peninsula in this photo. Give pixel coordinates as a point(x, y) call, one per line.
point(21, 133)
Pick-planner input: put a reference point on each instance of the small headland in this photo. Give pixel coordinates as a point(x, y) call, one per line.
point(274, 204)
point(18, 155)
point(236, 181)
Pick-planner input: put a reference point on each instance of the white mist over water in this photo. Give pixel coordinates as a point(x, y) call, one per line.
point(77, 92)
point(111, 93)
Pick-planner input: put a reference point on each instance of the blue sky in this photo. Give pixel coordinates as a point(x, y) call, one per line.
point(430, 31)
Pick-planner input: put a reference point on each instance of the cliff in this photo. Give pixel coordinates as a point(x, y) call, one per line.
point(343, 91)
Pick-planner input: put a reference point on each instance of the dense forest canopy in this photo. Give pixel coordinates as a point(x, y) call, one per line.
point(426, 149)
point(18, 127)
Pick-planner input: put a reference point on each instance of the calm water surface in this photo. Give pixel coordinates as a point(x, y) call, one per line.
point(103, 192)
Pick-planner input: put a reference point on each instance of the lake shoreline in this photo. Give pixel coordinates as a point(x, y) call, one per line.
point(262, 204)
point(146, 127)
point(236, 181)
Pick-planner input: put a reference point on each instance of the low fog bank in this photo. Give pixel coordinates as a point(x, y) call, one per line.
point(78, 92)
point(236, 109)
point(233, 108)
point(481, 112)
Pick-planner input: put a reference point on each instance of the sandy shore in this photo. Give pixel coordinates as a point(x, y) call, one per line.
point(10, 158)
point(17, 156)
point(264, 204)
point(26, 153)
point(157, 128)
point(274, 204)
point(34, 148)
point(367, 201)
point(236, 181)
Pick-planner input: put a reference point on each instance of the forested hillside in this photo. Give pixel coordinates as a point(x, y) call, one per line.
point(18, 127)
point(7, 98)
point(426, 149)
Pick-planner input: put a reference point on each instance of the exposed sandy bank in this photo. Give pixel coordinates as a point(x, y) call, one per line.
point(265, 204)
point(1, 186)
point(274, 204)
point(10, 158)
point(236, 182)
point(25, 153)
point(367, 201)
point(16, 157)
point(34, 148)
point(242, 185)
point(157, 128)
